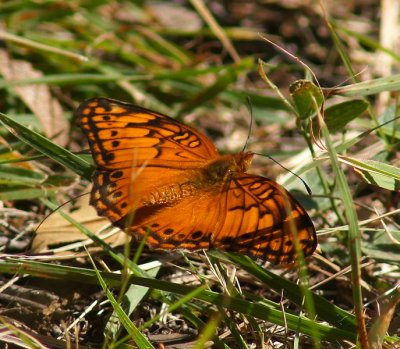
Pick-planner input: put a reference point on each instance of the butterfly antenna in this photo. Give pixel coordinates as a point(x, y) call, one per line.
point(250, 106)
point(285, 168)
point(50, 213)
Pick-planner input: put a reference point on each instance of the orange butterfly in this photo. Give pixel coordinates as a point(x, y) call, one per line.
point(159, 177)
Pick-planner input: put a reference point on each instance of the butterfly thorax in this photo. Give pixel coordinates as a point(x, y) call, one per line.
point(226, 166)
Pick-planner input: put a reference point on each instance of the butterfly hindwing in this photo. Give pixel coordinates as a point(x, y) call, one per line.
point(249, 214)
point(265, 219)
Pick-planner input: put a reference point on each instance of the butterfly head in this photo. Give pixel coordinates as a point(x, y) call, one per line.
point(242, 161)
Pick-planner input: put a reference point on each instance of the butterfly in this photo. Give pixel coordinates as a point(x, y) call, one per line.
point(158, 178)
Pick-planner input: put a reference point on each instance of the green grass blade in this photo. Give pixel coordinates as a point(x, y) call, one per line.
point(134, 333)
point(324, 309)
point(130, 301)
point(48, 148)
point(366, 88)
point(354, 238)
point(248, 308)
point(375, 172)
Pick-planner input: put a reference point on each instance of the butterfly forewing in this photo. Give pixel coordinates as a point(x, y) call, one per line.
point(114, 129)
point(136, 150)
point(160, 178)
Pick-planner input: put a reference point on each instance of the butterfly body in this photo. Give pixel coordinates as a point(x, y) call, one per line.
point(159, 178)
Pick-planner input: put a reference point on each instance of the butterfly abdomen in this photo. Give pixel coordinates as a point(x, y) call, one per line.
point(170, 194)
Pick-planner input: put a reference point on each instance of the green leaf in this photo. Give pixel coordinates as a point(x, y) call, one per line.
point(339, 115)
point(304, 94)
